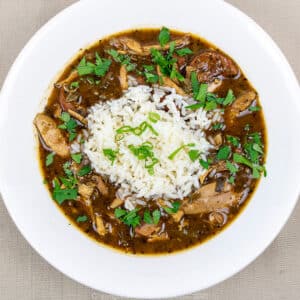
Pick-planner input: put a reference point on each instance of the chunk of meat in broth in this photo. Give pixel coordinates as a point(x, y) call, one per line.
point(211, 64)
point(51, 135)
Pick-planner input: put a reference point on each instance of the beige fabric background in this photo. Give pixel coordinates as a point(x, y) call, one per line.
point(25, 275)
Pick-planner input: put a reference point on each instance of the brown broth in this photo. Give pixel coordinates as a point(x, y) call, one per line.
point(199, 227)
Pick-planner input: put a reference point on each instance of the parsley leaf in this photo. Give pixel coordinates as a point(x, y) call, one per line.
point(60, 195)
point(205, 163)
point(194, 154)
point(154, 219)
point(74, 84)
point(254, 108)
point(130, 218)
point(77, 157)
point(229, 98)
point(184, 51)
point(69, 125)
point(84, 171)
point(99, 68)
point(231, 167)
point(217, 126)
point(174, 209)
point(50, 159)
point(235, 141)
point(223, 153)
point(164, 36)
point(81, 219)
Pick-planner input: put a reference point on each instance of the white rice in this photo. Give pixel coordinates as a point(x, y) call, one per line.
point(172, 179)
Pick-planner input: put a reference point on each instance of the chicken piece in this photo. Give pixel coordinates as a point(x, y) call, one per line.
point(129, 45)
point(101, 186)
point(116, 203)
point(209, 204)
point(177, 216)
point(123, 78)
point(206, 190)
point(170, 83)
point(158, 238)
point(85, 190)
point(73, 75)
point(78, 116)
point(212, 86)
point(146, 230)
point(240, 104)
point(218, 140)
point(211, 64)
point(218, 167)
point(179, 43)
point(51, 135)
point(63, 102)
point(100, 225)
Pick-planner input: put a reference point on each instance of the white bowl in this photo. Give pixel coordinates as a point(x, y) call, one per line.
point(99, 267)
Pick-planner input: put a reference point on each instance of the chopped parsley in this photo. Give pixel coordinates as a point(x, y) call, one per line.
point(229, 98)
point(77, 157)
point(122, 58)
point(81, 219)
point(164, 36)
point(60, 195)
point(231, 167)
point(110, 154)
point(84, 170)
point(217, 126)
point(74, 85)
point(49, 159)
point(69, 125)
point(194, 154)
point(154, 219)
point(184, 51)
point(205, 163)
point(254, 108)
point(99, 68)
point(130, 218)
point(235, 141)
point(223, 153)
point(174, 209)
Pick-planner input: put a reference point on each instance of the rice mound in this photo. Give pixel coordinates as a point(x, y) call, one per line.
point(172, 179)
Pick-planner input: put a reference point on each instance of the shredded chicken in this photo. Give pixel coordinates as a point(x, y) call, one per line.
point(101, 186)
point(218, 167)
point(116, 203)
point(240, 104)
point(123, 78)
point(178, 216)
point(170, 83)
point(100, 225)
point(52, 135)
point(78, 116)
point(74, 75)
point(158, 238)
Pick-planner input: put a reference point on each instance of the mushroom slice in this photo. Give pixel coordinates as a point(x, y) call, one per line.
point(78, 116)
point(63, 102)
point(116, 203)
point(123, 78)
point(51, 135)
point(100, 225)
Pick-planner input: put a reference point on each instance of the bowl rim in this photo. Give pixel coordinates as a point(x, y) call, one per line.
point(293, 86)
